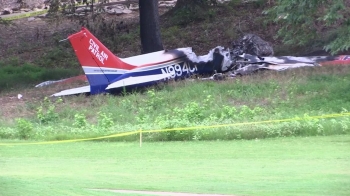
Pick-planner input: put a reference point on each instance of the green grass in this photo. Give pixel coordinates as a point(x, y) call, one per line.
point(177, 105)
point(284, 166)
point(263, 96)
point(14, 74)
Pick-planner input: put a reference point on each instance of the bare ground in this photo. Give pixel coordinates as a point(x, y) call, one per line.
point(11, 107)
point(27, 39)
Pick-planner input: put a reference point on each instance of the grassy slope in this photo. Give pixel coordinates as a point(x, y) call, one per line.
point(264, 96)
point(285, 166)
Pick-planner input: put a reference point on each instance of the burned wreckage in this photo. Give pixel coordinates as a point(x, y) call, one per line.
point(250, 54)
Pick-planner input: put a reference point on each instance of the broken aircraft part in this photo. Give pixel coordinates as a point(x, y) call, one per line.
point(252, 44)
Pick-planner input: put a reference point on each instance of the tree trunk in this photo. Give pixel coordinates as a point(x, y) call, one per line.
point(149, 26)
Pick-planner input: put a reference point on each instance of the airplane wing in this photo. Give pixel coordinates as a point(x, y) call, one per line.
point(281, 67)
point(73, 91)
point(137, 80)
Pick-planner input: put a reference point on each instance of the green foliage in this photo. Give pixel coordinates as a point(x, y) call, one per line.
point(105, 120)
point(306, 21)
point(46, 112)
point(305, 126)
point(80, 120)
point(298, 93)
point(8, 133)
point(153, 99)
point(192, 111)
point(143, 115)
point(228, 112)
point(24, 127)
point(248, 113)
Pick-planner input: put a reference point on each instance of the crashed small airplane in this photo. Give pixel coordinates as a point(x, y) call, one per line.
point(106, 73)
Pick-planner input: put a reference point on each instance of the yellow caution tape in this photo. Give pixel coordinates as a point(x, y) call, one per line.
point(29, 14)
point(24, 15)
point(72, 140)
point(181, 129)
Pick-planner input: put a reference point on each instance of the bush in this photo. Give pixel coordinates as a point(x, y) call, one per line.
point(24, 127)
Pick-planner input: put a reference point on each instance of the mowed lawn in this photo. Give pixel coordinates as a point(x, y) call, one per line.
point(281, 166)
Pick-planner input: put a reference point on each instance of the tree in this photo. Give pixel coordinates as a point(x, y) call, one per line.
point(149, 26)
point(326, 22)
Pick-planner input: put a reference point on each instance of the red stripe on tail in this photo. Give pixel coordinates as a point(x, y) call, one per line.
point(91, 52)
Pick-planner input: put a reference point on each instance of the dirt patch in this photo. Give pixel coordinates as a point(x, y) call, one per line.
point(11, 107)
point(157, 193)
point(29, 39)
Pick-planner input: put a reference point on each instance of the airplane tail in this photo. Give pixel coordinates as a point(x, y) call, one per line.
point(100, 65)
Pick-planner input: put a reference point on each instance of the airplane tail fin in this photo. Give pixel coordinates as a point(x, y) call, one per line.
point(100, 65)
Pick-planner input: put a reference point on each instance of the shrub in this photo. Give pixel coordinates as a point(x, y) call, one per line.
point(24, 127)
point(46, 111)
point(79, 120)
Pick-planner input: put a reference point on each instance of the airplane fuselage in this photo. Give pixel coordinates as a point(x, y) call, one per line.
point(101, 77)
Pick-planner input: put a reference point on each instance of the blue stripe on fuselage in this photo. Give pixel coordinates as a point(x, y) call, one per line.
point(99, 82)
